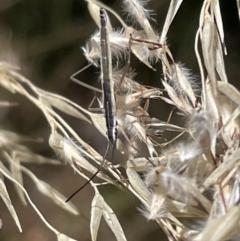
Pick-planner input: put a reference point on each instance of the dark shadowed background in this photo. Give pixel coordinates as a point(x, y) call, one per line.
point(44, 38)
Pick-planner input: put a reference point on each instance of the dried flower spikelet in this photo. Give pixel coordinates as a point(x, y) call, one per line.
point(184, 82)
point(156, 209)
point(127, 121)
point(200, 126)
point(118, 43)
point(226, 107)
point(153, 56)
point(65, 148)
point(204, 131)
point(181, 88)
point(137, 11)
point(144, 53)
point(56, 142)
point(190, 154)
point(234, 194)
point(230, 126)
point(127, 103)
point(6, 80)
point(92, 53)
point(125, 84)
point(128, 133)
point(222, 228)
point(136, 7)
point(129, 148)
point(137, 132)
point(145, 43)
point(154, 177)
point(228, 198)
point(235, 190)
point(190, 151)
point(180, 101)
point(170, 153)
point(177, 187)
point(133, 102)
point(94, 11)
point(219, 204)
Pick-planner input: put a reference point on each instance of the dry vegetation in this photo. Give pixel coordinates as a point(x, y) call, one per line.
point(196, 177)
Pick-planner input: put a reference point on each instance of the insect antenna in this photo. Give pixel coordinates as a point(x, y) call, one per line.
point(93, 176)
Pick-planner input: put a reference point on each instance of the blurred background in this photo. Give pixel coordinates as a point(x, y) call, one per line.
point(44, 38)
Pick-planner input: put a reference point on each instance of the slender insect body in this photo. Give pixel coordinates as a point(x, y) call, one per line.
point(106, 79)
point(108, 92)
point(111, 122)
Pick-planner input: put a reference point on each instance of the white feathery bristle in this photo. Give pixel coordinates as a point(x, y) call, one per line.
point(153, 177)
point(190, 151)
point(198, 123)
point(92, 53)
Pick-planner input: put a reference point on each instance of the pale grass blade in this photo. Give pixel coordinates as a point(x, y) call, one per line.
point(63, 106)
point(141, 163)
point(230, 91)
point(7, 174)
point(45, 189)
point(219, 24)
point(9, 136)
point(227, 164)
point(4, 66)
point(96, 215)
point(220, 66)
point(179, 209)
point(113, 223)
point(137, 50)
point(4, 104)
point(238, 6)
point(173, 8)
point(137, 184)
point(63, 237)
point(94, 9)
point(99, 122)
point(17, 175)
point(30, 158)
point(165, 126)
point(209, 37)
point(223, 227)
point(6, 199)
